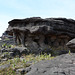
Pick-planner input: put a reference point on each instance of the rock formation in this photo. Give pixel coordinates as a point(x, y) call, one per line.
point(39, 34)
point(71, 45)
point(6, 39)
point(61, 65)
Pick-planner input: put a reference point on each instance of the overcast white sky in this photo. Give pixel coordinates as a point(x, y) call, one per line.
point(20, 9)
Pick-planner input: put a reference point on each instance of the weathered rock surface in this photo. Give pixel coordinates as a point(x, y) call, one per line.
point(5, 41)
point(12, 52)
point(39, 34)
point(4, 66)
point(19, 51)
point(71, 45)
point(61, 65)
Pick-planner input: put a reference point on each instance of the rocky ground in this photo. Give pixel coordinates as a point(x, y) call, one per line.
point(16, 60)
point(38, 65)
point(39, 47)
point(7, 41)
point(61, 65)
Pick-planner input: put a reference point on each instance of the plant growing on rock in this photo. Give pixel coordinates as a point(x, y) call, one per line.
point(4, 45)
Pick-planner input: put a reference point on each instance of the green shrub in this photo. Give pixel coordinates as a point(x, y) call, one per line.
point(4, 45)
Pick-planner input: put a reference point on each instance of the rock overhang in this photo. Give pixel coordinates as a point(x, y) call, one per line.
point(56, 26)
point(38, 34)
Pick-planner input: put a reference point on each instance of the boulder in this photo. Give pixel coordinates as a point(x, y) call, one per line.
point(18, 51)
point(71, 45)
point(39, 34)
point(12, 52)
point(4, 50)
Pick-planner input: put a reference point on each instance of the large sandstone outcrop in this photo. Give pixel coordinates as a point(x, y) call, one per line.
point(39, 34)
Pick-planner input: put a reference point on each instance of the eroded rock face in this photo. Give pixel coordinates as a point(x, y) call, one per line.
point(71, 45)
point(39, 34)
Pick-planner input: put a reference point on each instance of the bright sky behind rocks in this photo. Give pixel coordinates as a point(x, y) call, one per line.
point(20, 9)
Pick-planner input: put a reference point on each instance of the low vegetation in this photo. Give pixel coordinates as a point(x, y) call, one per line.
point(22, 62)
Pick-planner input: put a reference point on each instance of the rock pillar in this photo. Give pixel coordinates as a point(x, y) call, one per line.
point(15, 37)
point(22, 39)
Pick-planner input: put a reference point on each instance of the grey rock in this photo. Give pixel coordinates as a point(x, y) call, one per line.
point(61, 65)
point(40, 35)
point(20, 71)
point(2, 56)
point(4, 66)
point(12, 52)
point(18, 51)
point(7, 42)
point(71, 45)
point(4, 50)
point(5, 59)
point(37, 34)
point(7, 55)
point(23, 70)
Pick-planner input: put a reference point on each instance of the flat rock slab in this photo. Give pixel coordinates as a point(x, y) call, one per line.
point(61, 65)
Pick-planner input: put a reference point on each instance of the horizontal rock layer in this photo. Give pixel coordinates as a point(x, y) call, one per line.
point(39, 34)
point(53, 26)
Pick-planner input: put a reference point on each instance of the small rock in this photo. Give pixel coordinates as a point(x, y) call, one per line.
point(4, 66)
point(23, 70)
point(2, 56)
point(4, 59)
point(4, 50)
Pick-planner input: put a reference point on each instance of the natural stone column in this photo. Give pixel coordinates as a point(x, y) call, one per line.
point(41, 42)
point(19, 40)
point(15, 37)
point(22, 36)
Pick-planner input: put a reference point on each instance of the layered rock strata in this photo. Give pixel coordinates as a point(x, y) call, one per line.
point(39, 34)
